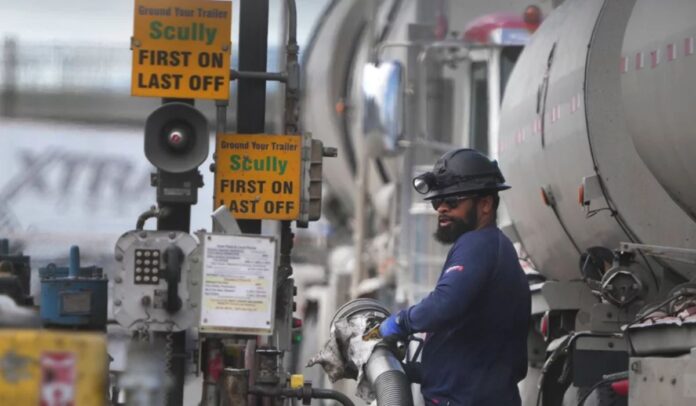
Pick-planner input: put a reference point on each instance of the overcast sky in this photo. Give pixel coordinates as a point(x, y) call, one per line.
point(107, 21)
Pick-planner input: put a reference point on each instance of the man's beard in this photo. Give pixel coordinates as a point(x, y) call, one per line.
point(450, 233)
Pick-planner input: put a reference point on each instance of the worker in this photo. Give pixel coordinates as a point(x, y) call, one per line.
point(476, 319)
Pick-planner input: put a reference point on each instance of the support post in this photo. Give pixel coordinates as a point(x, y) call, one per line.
point(8, 96)
point(251, 94)
point(178, 219)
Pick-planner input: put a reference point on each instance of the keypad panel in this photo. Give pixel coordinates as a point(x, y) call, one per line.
point(147, 267)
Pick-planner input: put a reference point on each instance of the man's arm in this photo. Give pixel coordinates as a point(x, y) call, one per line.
point(465, 274)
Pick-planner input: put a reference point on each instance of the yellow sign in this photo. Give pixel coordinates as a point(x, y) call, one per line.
point(181, 49)
point(258, 176)
point(44, 367)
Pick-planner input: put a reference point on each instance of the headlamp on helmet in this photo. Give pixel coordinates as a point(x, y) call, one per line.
point(424, 183)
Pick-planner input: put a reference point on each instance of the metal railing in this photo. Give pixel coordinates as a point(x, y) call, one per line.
point(46, 67)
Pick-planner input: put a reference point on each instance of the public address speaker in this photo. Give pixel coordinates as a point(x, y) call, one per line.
point(176, 137)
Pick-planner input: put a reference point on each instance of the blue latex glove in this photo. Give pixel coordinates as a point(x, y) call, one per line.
point(390, 327)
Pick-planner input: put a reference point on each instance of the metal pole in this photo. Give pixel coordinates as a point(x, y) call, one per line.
point(220, 129)
point(178, 219)
point(292, 67)
point(211, 347)
point(286, 287)
point(359, 234)
point(251, 94)
point(221, 116)
point(74, 269)
point(362, 168)
point(235, 383)
point(9, 79)
point(494, 101)
point(411, 106)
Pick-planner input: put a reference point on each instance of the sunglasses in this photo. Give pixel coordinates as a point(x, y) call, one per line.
point(452, 202)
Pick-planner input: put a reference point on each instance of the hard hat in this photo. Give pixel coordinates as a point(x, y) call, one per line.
point(461, 172)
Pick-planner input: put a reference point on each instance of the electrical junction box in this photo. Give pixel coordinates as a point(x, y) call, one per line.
point(154, 285)
point(73, 296)
point(47, 367)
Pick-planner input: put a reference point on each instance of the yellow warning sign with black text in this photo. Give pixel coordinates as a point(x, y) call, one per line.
point(259, 176)
point(181, 49)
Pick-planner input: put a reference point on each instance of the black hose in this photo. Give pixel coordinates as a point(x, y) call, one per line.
point(332, 394)
point(302, 394)
point(583, 398)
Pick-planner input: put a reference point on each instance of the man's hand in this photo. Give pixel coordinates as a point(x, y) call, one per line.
point(390, 328)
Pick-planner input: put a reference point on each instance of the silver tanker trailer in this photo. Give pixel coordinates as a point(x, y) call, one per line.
point(597, 135)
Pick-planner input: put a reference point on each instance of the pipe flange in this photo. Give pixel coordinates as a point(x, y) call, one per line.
point(361, 305)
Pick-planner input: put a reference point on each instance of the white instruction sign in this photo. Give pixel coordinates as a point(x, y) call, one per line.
point(238, 290)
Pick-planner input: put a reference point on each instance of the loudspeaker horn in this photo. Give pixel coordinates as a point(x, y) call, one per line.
point(176, 137)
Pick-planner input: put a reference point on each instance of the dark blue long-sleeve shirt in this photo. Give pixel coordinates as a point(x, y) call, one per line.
point(476, 322)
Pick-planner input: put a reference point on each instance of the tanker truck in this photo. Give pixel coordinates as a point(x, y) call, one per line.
point(597, 136)
point(393, 84)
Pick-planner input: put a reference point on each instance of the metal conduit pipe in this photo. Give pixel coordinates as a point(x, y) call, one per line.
point(292, 22)
point(154, 212)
